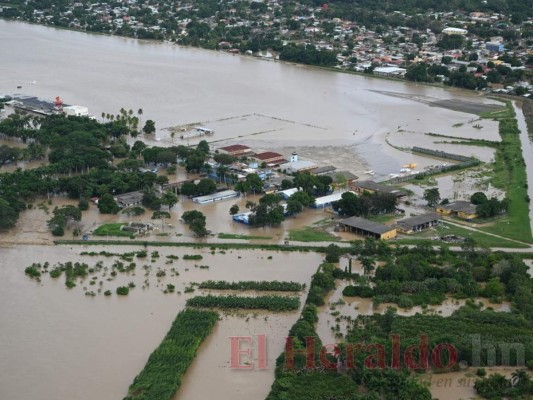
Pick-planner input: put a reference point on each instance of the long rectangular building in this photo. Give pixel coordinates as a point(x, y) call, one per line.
point(418, 223)
point(218, 196)
point(365, 227)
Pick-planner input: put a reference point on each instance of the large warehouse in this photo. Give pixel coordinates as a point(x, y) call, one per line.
point(365, 227)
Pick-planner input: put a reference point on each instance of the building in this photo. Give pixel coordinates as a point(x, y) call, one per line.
point(454, 31)
point(76, 111)
point(418, 223)
point(218, 196)
point(325, 201)
point(495, 46)
point(270, 158)
point(389, 71)
point(235, 150)
point(463, 209)
point(364, 227)
point(323, 170)
point(373, 187)
point(296, 165)
point(129, 199)
point(342, 177)
point(288, 192)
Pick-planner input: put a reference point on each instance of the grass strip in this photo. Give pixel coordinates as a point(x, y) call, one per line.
point(113, 229)
point(309, 234)
point(270, 303)
point(162, 374)
point(242, 237)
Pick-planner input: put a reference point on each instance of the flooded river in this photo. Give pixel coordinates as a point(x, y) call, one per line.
point(267, 105)
point(59, 344)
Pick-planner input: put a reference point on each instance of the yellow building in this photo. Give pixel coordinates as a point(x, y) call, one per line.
point(463, 209)
point(365, 227)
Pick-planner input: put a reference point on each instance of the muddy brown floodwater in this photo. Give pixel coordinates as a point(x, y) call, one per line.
point(60, 344)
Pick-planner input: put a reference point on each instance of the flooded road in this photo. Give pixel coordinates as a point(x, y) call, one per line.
point(71, 346)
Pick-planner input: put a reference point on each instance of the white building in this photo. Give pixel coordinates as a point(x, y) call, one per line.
point(76, 111)
point(296, 165)
point(454, 31)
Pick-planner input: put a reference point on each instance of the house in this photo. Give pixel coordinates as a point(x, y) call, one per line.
point(235, 150)
point(325, 201)
point(341, 177)
point(296, 165)
point(323, 170)
point(129, 199)
point(373, 187)
point(218, 196)
point(365, 227)
point(270, 158)
point(418, 223)
point(463, 209)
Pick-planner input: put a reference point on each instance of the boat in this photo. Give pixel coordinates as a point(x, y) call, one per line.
point(369, 172)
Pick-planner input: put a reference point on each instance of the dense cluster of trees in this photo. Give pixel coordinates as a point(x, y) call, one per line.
point(314, 185)
point(486, 208)
point(265, 286)
point(367, 204)
point(308, 55)
point(268, 212)
point(162, 375)
point(196, 221)
point(270, 303)
point(203, 187)
point(519, 385)
point(62, 216)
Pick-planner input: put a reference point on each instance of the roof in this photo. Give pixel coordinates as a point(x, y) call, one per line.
point(215, 196)
point(298, 165)
point(288, 192)
point(234, 147)
point(131, 197)
point(376, 187)
point(390, 70)
point(329, 198)
point(419, 219)
point(347, 175)
point(366, 225)
point(323, 170)
point(267, 155)
point(461, 206)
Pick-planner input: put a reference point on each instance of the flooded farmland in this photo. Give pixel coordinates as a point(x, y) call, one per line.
point(82, 347)
point(60, 343)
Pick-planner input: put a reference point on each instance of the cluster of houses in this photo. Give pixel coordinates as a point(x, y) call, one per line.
point(388, 49)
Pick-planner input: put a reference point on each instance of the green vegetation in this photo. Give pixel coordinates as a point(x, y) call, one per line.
point(123, 290)
point(519, 385)
point(367, 204)
point(162, 375)
point(192, 257)
point(510, 174)
point(253, 285)
point(270, 303)
point(113, 229)
point(242, 237)
point(196, 221)
point(310, 234)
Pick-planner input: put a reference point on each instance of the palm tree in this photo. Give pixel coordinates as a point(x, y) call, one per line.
point(368, 264)
point(140, 113)
point(222, 170)
point(520, 378)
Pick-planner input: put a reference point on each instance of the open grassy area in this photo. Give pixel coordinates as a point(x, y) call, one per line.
point(480, 238)
point(242, 237)
point(112, 230)
point(509, 173)
point(309, 234)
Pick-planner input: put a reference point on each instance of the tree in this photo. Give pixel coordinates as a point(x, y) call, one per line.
point(150, 199)
point(169, 199)
point(189, 189)
point(297, 202)
point(368, 264)
point(432, 196)
point(478, 198)
point(108, 205)
point(162, 215)
point(333, 253)
point(206, 186)
point(196, 221)
point(203, 146)
point(149, 127)
point(234, 209)
point(224, 159)
point(520, 378)
point(8, 215)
